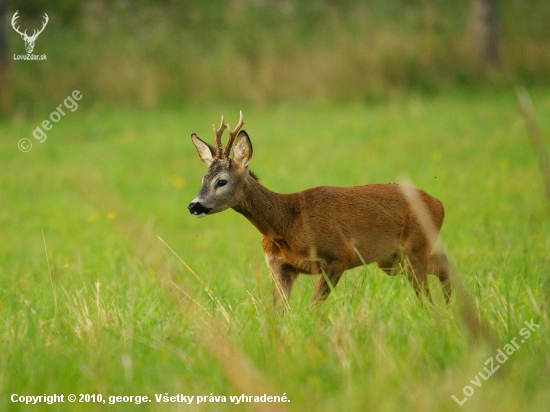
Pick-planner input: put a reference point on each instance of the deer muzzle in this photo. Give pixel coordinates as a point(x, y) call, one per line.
point(197, 209)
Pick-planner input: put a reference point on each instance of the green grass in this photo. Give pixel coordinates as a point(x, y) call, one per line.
point(114, 312)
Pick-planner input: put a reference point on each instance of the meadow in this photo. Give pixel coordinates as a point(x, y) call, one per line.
point(93, 302)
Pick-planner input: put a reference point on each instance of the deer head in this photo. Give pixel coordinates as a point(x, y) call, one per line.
point(223, 183)
point(29, 40)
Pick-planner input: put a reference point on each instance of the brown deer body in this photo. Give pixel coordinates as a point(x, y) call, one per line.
point(323, 230)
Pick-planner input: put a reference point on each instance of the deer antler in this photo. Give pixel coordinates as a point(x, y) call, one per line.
point(13, 22)
point(218, 134)
point(233, 134)
point(24, 34)
point(37, 32)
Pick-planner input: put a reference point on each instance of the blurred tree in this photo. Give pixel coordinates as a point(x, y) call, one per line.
point(486, 28)
point(5, 87)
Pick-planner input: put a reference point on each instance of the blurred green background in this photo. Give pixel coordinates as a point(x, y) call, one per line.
point(149, 53)
point(334, 92)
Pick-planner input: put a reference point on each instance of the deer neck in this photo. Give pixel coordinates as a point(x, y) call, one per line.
point(270, 212)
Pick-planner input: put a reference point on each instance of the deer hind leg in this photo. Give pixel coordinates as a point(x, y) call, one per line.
point(283, 276)
point(439, 266)
point(415, 262)
point(416, 270)
point(391, 265)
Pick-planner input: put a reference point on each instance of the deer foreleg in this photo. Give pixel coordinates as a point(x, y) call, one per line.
point(283, 276)
point(328, 281)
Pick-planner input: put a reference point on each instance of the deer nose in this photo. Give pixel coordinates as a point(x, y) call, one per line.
point(197, 209)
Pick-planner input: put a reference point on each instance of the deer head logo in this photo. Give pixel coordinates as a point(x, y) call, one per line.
point(29, 40)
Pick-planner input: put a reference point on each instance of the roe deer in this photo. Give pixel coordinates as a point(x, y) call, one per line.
point(324, 230)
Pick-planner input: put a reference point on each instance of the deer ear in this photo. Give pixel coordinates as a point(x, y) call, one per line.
point(206, 152)
point(242, 149)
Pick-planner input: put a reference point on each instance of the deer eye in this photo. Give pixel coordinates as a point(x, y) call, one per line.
point(221, 183)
